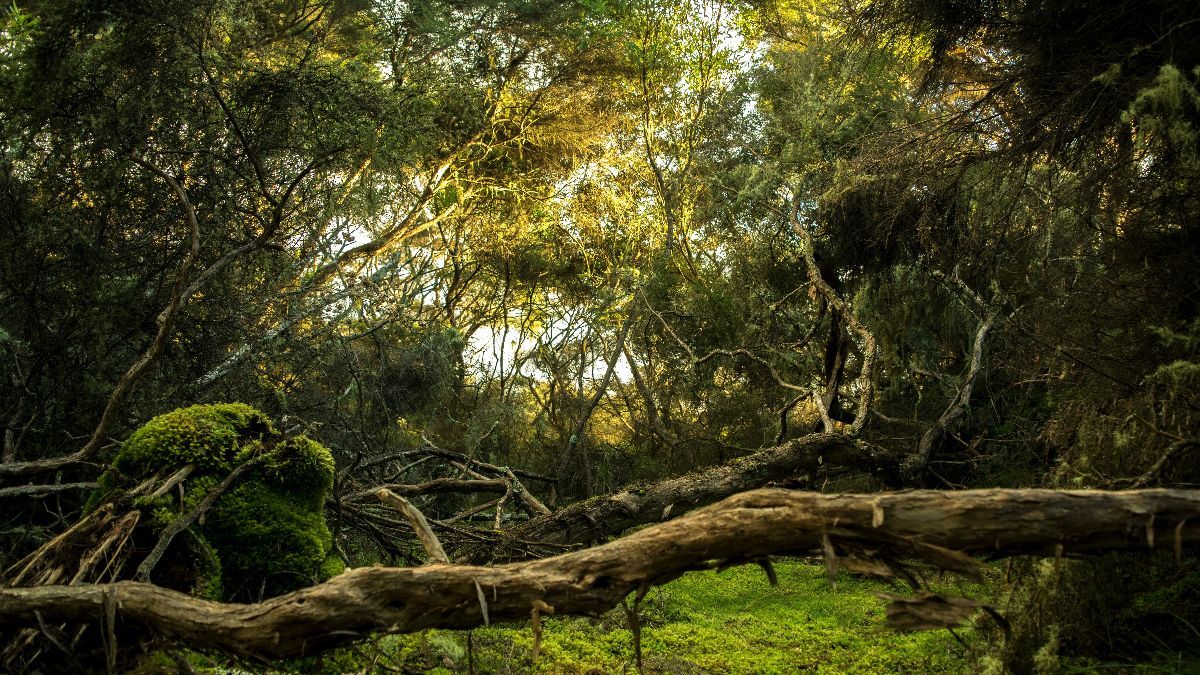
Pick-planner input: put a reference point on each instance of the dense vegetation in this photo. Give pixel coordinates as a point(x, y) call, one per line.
point(598, 242)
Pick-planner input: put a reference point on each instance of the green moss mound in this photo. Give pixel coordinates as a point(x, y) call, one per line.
point(211, 437)
point(266, 534)
point(271, 531)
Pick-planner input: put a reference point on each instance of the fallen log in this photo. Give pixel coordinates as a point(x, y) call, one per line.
point(936, 526)
point(604, 516)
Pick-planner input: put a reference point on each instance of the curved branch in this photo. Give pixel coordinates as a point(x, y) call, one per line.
point(866, 384)
point(927, 524)
point(608, 515)
point(164, 322)
point(916, 462)
point(989, 319)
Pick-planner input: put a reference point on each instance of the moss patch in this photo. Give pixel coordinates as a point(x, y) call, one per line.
point(709, 622)
point(208, 436)
point(266, 534)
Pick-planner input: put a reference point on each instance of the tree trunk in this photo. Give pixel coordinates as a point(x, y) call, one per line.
point(928, 524)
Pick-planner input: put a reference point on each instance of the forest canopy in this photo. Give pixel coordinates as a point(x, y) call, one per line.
point(546, 272)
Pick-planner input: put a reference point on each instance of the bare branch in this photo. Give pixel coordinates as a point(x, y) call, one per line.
point(928, 525)
point(866, 385)
point(1173, 450)
point(437, 486)
point(41, 490)
point(417, 519)
point(164, 322)
point(608, 515)
point(989, 318)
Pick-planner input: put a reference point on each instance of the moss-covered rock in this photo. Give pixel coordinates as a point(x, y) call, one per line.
point(266, 534)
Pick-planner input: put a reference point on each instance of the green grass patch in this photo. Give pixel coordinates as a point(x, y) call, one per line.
point(710, 622)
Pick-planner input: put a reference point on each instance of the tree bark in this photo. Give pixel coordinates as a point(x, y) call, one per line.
point(926, 524)
point(608, 515)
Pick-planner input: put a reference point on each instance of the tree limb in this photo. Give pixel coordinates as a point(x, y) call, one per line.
point(164, 322)
point(437, 486)
point(989, 319)
point(866, 384)
point(419, 525)
point(926, 524)
point(608, 515)
point(41, 490)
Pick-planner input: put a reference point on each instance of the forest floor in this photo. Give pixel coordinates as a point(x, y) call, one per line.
point(731, 621)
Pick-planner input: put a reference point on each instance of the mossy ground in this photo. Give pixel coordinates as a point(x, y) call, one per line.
point(732, 622)
point(705, 622)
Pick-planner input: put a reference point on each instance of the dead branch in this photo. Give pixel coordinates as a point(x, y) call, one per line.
point(916, 462)
point(438, 486)
point(470, 512)
point(1173, 450)
point(42, 490)
point(419, 525)
point(926, 524)
point(429, 449)
point(608, 515)
point(180, 294)
point(866, 385)
point(989, 319)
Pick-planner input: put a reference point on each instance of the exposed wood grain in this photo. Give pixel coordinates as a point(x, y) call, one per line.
point(745, 527)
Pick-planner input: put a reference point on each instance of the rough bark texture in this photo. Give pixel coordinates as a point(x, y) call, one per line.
point(749, 526)
point(608, 515)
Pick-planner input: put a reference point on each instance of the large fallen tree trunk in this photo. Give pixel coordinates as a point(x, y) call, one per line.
point(936, 526)
point(604, 516)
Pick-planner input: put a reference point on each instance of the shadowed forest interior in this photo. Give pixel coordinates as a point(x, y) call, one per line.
point(676, 336)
